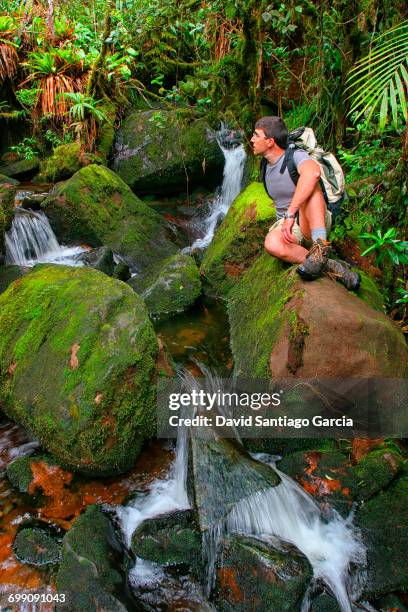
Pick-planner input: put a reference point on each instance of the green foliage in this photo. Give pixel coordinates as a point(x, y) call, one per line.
point(387, 245)
point(28, 97)
point(83, 105)
point(379, 79)
point(26, 149)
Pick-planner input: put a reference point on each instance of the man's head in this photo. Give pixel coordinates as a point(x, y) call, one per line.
point(270, 133)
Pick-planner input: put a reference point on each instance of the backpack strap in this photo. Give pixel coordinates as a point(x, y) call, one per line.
point(289, 163)
point(262, 173)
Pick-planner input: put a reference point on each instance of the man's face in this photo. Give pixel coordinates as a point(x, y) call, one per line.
point(261, 143)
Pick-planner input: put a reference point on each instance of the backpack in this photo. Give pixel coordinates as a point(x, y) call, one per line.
point(331, 180)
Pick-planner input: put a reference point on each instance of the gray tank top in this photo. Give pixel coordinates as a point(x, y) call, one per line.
point(280, 186)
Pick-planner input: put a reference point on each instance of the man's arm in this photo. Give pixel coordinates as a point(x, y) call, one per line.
point(309, 175)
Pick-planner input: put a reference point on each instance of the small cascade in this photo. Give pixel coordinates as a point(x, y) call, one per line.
point(235, 156)
point(330, 543)
point(164, 496)
point(31, 240)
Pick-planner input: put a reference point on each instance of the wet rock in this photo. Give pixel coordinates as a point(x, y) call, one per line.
point(252, 575)
point(9, 273)
point(329, 476)
point(86, 573)
point(390, 603)
point(36, 547)
point(122, 272)
point(224, 473)
point(101, 259)
point(238, 240)
point(7, 180)
point(66, 159)
point(19, 471)
point(172, 288)
point(324, 603)
point(162, 152)
point(170, 539)
point(78, 365)
point(383, 521)
point(96, 207)
point(289, 318)
point(21, 169)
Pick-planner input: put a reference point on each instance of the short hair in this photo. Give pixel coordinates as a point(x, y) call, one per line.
point(274, 127)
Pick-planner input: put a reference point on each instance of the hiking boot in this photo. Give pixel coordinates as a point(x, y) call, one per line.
point(316, 260)
point(341, 272)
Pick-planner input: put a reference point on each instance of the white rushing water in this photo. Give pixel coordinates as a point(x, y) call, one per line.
point(165, 495)
point(231, 186)
point(330, 543)
point(31, 240)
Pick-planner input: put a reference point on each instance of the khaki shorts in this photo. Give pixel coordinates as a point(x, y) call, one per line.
point(297, 232)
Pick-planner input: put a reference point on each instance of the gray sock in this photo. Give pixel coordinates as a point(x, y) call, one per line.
point(319, 232)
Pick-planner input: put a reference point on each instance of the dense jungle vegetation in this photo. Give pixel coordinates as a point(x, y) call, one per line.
point(69, 71)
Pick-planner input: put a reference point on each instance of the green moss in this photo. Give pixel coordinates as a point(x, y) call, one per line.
point(86, 574)
point(370, 293)
point(65, 160)
point(6, 210)
point(256, 313)
point(384, 523)
point(172, 288)
point(238, 240)
point(374, 472)
point(21, 169)
point(158, 151)
point(172, 539)
point(82, 354)
point(36, 547)
point(19, 471)
point(97, 207)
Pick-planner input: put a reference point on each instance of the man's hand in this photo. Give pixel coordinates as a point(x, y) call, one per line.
point(287, 231)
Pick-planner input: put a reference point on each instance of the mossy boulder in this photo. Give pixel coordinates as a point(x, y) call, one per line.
point(383, 521)
point(165, 151)
point(66, 159)
point(36, 547)
point(86, 574)
point(101, 259)
point(170, 539)
point(284, 327)
point(172, 288)
point(238, 240)
point(21, 169)
point(78, 362)
point(252, 575)
point(19, 471)
point(96, 207)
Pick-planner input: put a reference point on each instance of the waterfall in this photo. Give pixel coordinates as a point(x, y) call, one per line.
point(31, 240)
point(230, 188)
point(330, 543)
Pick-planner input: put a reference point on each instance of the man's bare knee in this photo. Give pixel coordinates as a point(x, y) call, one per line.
point(274, 245)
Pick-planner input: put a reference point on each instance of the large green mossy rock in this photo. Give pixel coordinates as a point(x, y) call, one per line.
point(170, 539)
point(7, 180)
point(66, 159)
point(86, 574)
point(251, 575)
point(163, 151)
point(384, 523)
point(21, 169)
point(77, 366)
point(284, 327)
point(172, 288)
point(19, 471)
point(95, 206)
point(238, 240)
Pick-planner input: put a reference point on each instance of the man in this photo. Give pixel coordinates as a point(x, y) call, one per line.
point(303, 222)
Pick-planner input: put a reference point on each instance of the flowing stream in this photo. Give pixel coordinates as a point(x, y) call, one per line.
point(231, 186)
point(31, 240)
